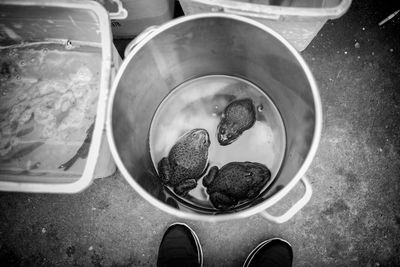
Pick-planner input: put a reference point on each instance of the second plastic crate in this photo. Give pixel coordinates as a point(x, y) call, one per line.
point(298, 21)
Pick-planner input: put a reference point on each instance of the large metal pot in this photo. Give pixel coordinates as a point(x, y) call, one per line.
point(199, 45)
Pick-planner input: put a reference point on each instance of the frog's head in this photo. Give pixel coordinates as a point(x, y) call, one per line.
point(198, 138)
point(227, 133)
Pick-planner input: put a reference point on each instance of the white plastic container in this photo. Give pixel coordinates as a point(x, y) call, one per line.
point(56, 51)
point(298, 21)
point(142, 14)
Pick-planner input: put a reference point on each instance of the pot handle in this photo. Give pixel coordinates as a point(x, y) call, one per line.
point(295, 208)
point(138, 39)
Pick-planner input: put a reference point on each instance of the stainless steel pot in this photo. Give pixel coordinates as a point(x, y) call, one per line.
point(199, 45)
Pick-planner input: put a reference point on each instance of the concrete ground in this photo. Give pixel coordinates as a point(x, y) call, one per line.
point(353, 218)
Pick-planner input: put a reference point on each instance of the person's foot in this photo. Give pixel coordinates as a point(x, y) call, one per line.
point(180, 246)
point(274, 252)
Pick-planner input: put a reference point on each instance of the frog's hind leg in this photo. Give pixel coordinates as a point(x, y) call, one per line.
point(221, 201)
point(183, 188)
point(207, 180)
point(164, 170)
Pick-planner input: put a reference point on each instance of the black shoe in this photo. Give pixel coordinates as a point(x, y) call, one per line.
point(274, 252)
point(180, 246)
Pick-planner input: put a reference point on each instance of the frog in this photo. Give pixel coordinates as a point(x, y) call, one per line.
point(234, 182)
point(237, 117)
point(186, 161)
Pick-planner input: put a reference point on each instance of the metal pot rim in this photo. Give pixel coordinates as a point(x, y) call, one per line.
point(249, 211)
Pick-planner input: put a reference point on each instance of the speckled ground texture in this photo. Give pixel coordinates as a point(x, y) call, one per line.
point(353, 218)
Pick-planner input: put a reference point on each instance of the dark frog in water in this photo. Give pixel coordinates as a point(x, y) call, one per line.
point(234, 182)
point(186, 161)
point(238, 116)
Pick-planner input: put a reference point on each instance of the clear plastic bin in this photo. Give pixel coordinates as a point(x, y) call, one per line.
point(141, 14)
point(57, 62)
point(298, 21)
